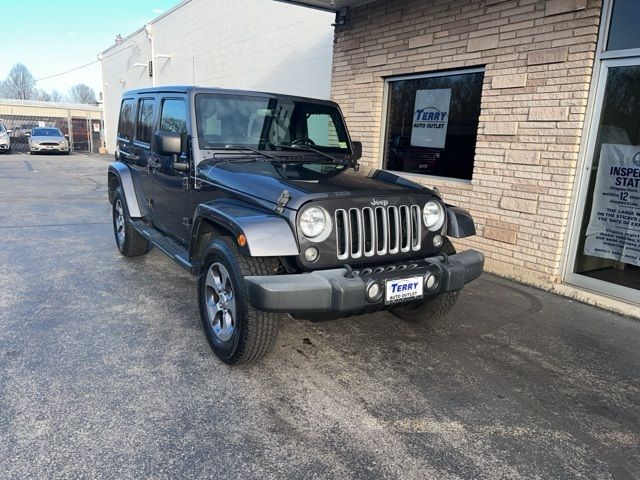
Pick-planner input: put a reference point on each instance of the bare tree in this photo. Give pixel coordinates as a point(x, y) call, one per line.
point(44, 96)
point(57, 96)
point(82, 93)
point(19, 84)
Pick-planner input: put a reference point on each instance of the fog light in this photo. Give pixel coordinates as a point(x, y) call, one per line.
point(311, 254)
point(430, 281)
point(374, 292)
point(437, 241)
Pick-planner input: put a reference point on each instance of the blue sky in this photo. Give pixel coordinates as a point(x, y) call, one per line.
point(50, 37)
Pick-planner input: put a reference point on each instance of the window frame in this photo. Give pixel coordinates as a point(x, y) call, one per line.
point(135, 114)
point(385, 112)
point(154, 121)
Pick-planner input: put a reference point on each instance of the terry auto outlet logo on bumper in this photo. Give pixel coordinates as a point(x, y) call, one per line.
point(403, 289)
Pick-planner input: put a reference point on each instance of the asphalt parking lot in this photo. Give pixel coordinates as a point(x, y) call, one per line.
point(104, 371)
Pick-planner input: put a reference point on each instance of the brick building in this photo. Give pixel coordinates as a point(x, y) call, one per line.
point(525, 108)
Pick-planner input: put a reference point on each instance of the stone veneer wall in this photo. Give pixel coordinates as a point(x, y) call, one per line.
point(538, 57)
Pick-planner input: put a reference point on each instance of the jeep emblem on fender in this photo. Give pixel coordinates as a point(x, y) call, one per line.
point(381, 203)
point(636, 159)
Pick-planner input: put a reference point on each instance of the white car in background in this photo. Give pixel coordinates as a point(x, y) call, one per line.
point(5, 141)
point(49, 140)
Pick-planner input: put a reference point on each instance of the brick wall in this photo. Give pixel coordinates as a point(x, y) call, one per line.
point(538, 57)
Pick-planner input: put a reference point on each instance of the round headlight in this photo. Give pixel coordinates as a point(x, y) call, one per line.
point(313, 222)
point(433, 215)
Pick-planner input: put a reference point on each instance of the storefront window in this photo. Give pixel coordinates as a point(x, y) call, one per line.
point(609, 247)
point(432, 123)
point(624, 33)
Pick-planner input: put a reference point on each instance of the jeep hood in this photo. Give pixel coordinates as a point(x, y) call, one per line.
point(263, 180)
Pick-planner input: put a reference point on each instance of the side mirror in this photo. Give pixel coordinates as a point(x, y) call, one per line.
point(28, 134)
point(356, 153)
point(9, 132)
point(66, 135)
point(168, 143)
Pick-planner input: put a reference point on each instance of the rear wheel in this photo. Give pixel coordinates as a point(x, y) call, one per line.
point(129, 241)
point(237, 332)
point(434, 310)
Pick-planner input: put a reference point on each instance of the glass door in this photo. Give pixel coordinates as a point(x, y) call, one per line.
point(605, 249)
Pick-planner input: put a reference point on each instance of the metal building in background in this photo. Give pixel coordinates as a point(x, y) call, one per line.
point(83, 123)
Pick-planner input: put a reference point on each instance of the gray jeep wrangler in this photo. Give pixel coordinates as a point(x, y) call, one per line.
point(262, 198)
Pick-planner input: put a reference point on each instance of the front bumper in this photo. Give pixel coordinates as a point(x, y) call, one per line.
point(333, 292)
point(48, 148)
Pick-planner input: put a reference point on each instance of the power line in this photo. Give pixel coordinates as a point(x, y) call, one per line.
point(87, 64)
point(68, 71)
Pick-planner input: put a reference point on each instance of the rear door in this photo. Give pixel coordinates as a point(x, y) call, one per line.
point(141, 153)
point(172, 206)
point(126, 130)
point(127, 149)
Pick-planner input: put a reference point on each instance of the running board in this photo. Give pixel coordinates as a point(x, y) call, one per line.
point(168, 245)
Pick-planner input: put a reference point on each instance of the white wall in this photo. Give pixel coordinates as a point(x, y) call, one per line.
point(245, 44)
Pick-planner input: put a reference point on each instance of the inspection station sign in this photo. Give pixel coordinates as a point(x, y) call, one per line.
point(614, 226)
point(430, 118)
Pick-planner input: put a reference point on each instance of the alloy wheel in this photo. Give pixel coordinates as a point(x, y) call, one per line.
point(220, 301)
point(119, 222)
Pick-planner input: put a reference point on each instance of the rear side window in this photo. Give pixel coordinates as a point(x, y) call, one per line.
point(174, 116)
point(145, 120)
point(125, 126)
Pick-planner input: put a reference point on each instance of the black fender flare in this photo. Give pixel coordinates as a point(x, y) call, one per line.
point(122, 172)
point(459, 222)
point(267, 233)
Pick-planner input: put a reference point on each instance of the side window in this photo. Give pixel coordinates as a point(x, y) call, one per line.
point(144, 128)
point(174, 116)
point(125, 125)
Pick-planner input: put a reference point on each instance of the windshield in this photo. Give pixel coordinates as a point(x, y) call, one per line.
point(2, 129)
point(46, 132)
point(264, 123)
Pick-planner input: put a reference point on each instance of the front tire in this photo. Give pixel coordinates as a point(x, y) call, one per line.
point(129, 241)
point(237, 332)
point(432, 311)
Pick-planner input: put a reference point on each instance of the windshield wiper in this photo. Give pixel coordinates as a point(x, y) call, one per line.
point(242, 147)
point(345, 162)
point(310, 149)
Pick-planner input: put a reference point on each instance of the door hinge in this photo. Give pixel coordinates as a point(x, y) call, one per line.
point(149, 202)
point(187, 222)
point(185, 183)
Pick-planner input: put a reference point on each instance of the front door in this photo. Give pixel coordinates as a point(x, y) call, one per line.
point(606, 254)
point(172, 206)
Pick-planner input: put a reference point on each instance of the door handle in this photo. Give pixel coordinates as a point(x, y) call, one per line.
point(129, 156)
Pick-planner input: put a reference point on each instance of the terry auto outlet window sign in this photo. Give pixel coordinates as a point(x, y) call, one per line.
point(430, 118)
point(614, 225)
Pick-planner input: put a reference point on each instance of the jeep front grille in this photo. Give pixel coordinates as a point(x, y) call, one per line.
point(377, 231)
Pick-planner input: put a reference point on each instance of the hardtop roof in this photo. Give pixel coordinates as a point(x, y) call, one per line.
point(193, 89)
